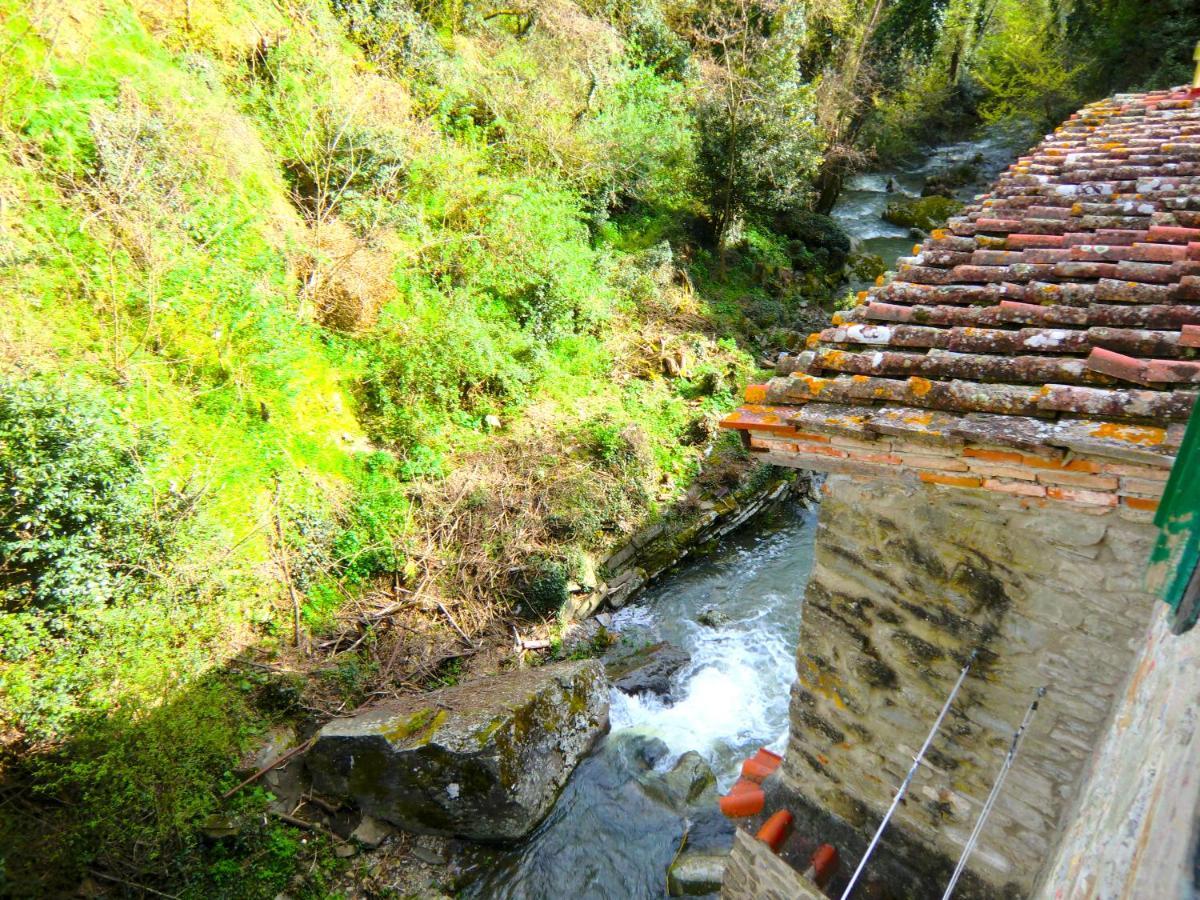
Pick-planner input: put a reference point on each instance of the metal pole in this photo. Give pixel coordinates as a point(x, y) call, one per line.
point(991, 800)
point(962, 676)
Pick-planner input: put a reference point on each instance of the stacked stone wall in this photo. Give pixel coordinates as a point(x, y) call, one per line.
point(1133, 830)
point(909, 578)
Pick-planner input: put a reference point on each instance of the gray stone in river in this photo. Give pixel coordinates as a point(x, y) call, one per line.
point(712, 616)
point(695, 874)
point(483, 760)
point(646, 670)
point(692, 779)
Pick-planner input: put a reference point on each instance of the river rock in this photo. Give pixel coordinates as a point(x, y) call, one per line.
point(692, 779)
point(483, 760)
point(695, 874)
point(648, 669)
point(712, 616)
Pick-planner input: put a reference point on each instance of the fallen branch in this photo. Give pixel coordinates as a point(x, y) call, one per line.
point(269, 766)
point(300, 823)
point(462, 634)
point(132, 884)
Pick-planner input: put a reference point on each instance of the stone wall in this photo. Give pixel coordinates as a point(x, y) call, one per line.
point(1133, 831)
point(755, 873)
point(909, 578)
point(662, 545)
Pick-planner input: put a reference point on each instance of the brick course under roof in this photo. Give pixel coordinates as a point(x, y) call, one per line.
point(1059, 313)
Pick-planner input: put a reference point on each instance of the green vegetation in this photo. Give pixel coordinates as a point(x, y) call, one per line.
point(925, 213)
point(320, 309)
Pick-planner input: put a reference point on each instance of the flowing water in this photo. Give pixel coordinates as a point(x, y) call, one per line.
point(614, 832)
point(860, 207)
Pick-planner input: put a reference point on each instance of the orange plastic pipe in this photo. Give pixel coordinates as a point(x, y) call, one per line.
point(743, 784)
point(748, 802)
point(755, 770)
point(767, 758)
point(775, 830)
point(823, 865)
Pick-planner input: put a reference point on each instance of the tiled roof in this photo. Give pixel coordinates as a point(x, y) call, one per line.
point(1062, 309)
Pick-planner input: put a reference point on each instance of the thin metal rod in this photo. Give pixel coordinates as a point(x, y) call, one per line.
point(969, 847)
point(962, 676)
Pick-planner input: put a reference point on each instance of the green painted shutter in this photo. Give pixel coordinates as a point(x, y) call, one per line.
point(1173, 564)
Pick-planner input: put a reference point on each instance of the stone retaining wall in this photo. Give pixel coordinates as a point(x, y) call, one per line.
point(1133, 831)
point(666, 543)
point(909, 578)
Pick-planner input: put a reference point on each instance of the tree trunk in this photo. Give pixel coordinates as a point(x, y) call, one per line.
point(829, 183)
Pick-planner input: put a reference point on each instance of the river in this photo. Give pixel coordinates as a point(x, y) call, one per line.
point(612, 834)
point(859, 210)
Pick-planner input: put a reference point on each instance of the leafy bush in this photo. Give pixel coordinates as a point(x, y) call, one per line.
point(79, 526)
point(432, 358)
point(816, 241)
point(392, 34)
point(653, 43)
point(545, 589)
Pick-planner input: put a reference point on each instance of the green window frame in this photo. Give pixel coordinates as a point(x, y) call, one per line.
point(1174, 574)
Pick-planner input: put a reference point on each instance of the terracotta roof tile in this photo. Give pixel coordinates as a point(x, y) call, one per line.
point(1062, 309)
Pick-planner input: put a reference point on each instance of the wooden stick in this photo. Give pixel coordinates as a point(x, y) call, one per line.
point(269, 766)
point(132, 884)
point(299, 823)
point(287, 572)
point(462, 634)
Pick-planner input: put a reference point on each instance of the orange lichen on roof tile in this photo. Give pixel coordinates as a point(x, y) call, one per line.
point(1059, 311)
point(1145, 435)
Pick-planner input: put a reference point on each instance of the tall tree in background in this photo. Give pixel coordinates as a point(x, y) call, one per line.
point(857, 53)
point(758, 141)
point(1132, 44)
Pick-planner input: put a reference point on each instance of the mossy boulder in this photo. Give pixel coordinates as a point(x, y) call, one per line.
point(483, 760)
point(866, 266)
point(645, 670)
point(926, 213)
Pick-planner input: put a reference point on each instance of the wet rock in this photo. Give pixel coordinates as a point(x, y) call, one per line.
point(692, 779)
point(712, 616)
point(948, 182)
point(647, 670)
point(483, 760)
point(285, 782)
point(925, 213)
point(218, 826)
point(640, 752)
point(430, 850)
point(695, 874)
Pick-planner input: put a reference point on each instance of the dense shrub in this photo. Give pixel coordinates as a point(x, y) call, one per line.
point(78, 526)
point(815, 241)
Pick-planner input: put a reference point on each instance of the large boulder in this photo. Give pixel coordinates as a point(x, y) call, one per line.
point(483, 760)
point(646, 670)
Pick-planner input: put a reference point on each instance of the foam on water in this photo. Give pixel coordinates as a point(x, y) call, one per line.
point(607, 837)
point(733, 694)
